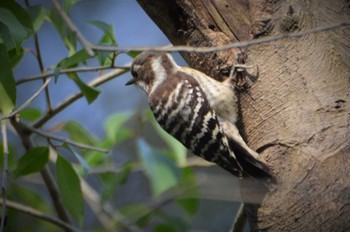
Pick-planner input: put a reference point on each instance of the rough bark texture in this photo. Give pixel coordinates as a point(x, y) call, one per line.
point(297, 115)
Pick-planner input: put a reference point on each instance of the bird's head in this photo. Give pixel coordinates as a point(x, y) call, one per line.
point(149, 70)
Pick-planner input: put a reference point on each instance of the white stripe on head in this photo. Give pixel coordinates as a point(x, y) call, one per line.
point(159, 73)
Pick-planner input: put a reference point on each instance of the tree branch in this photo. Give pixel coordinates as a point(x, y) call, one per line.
point(70, 70)
point(86, 44)
point(62, 139)
point(35, 213)
point(93, 199)
point(40, 63)
point(228, 46)
point(61, 106)
point(30, 100)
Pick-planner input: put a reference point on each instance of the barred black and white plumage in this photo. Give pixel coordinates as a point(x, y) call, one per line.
point(198, 111)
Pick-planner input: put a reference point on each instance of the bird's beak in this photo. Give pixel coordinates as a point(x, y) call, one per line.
point(130, 82)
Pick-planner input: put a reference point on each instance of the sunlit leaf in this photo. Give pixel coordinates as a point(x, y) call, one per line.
point(32, 161)
point(7, 83)
point(94, 158)
point(78, 133)
point(30, 114)
point(133, 54)
point(160, 169)
point(69, 187)
point(115, 132)
point(37, 14)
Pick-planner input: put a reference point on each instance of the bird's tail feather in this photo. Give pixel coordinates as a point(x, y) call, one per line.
point(250, 165)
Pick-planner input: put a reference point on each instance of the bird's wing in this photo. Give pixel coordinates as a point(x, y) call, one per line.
point(182, 109)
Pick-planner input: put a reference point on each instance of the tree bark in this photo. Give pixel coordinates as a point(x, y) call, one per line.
point(297, 114)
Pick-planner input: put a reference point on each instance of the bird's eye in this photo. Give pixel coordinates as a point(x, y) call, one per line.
point(133, 73)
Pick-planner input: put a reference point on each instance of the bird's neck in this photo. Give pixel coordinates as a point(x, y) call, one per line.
point(162, 67)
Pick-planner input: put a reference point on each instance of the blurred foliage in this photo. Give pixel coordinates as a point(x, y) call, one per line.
point(169, 182)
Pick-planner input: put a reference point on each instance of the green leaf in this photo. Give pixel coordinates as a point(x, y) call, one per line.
point(78, 133)
point(108, 38)
point(12, 161)
point(115, 132)
point(139, 213)
point(189, 200)
point(108, 29)
point(164, 227)
point(15, 56)
point(178, 150)
point(160, 169)
point(7, 38)
point(94, 158)
point(37, 14)
point(81, 160)
point(67, 36)
point(67, 4)
point(30, 114)
point(7, 83)
point(15, 33)
point(112, 180)
point(173, 225)
point(105, 58)
point(32, 161)
point(70, 188)
point(89, 92)
point(133, 54)
point(73, 61)
point(19, 19)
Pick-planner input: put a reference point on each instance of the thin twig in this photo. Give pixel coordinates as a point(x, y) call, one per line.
point(30, 100)
point(42, 70)
point(40, 63)
point(166, 199)
point(43, 216)
point(93, 199)
point(86, 44)
point(70, 70)
point(4, 174)
point(61, 106)
point(223, 47)
point(62, 139)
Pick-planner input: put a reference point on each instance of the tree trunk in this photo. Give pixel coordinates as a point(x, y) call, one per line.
point(297, 114)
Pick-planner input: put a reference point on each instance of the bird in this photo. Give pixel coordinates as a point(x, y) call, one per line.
point(198, 111)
